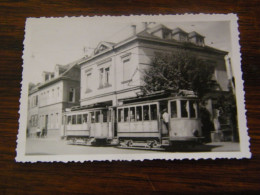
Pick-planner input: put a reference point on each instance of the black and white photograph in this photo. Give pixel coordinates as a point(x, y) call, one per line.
point(132, 88)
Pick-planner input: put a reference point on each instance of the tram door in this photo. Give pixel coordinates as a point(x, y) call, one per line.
point(114, 121)
point(105, 124)
point(164, 118)
point(92, 124)
point(110, 123)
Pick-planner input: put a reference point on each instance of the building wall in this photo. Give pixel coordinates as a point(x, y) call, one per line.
point(67, 86)
point(54, 114)
point(148, 50)
point(32, 117)
point(51, 94)
point(52, 101)
point(121, 76)
point(138, 56)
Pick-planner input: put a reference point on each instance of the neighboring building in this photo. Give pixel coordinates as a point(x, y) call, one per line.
point(114, 71)
point(57, 91)
point(33, 109)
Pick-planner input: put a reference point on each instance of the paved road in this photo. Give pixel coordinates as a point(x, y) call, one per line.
point(42, 146)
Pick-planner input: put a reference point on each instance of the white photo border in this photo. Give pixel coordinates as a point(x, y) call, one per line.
point(240, 97)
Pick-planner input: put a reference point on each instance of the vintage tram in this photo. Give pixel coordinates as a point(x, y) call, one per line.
point(162, 122)
point(149, 122)
point(88, 126)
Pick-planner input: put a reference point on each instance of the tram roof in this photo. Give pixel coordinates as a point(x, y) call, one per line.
point(89, 107)
point(147, 100)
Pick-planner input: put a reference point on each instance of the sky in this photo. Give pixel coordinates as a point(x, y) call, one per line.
point(51, 41)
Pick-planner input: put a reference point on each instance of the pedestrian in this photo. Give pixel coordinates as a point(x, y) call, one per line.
point(38, 132)
point(165, 118)
point(44, 133)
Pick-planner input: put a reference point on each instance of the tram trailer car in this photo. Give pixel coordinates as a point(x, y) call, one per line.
point(88, 126)
point(141, 123)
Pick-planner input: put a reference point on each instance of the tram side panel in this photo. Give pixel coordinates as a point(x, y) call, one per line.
point(185, 124)
point(138, 122)
point(77, 126)
point(101, 127)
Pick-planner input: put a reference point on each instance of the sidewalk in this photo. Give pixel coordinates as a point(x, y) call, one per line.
point(225, 146)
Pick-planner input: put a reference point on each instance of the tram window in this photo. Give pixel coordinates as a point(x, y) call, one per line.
point(79, 119)
point(184, 108)
point(139, 113)
point(104, 113)
point(74, 119)
point(153, 112)
point(193, 109)
point(120, 115)
point(146, 112)
point(97, 117)
point(126, 115)
point(85, 118)
point(173, 109)
point(69, 120)
point(92, 117)
point(132, 114)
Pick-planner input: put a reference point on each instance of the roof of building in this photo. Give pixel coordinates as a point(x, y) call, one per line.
point(194, 33)
point(178, 30)
point(64, 69)
point(158, 27)
point(148, 36)
point(102, 46)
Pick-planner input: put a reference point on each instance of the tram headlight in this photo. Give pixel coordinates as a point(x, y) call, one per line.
point(195, 133)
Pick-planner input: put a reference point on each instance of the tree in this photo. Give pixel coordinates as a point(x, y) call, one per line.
point(177, 71)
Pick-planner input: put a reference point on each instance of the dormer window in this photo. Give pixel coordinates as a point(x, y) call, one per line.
point(179, 35)
point(196, 38)
point(52, 75)
point(102, 46)
point(166, 34)
point(46, 77)
point(161, 31)
point(183, 37)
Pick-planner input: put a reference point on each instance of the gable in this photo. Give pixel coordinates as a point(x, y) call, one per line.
point(102, 46)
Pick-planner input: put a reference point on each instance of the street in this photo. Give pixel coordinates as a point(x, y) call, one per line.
point(42, 146)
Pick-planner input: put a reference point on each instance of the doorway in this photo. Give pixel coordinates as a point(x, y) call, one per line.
point(164, 118)
point(45, 130)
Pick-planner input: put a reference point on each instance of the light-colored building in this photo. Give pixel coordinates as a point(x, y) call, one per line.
point(49, 99)
point(33, 109)
point(115, 70)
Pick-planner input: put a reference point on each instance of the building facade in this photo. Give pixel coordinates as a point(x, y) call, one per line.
point(49, 99)
point(33, 110)
point(115, 70)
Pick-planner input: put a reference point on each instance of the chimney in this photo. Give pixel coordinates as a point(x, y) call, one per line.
point(145, 25)
point(134, 29)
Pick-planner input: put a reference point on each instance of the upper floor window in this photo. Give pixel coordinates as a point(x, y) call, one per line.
point(58, 92)
point(183, 37)
point(72, 95)
point(104, 77)
point(126, 69)
point(34, 101)
point(88, 77)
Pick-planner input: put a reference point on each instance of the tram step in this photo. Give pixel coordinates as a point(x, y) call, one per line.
point(114, 141)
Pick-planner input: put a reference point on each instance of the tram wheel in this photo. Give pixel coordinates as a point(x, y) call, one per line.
point(154, 144)
point(130, 143)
